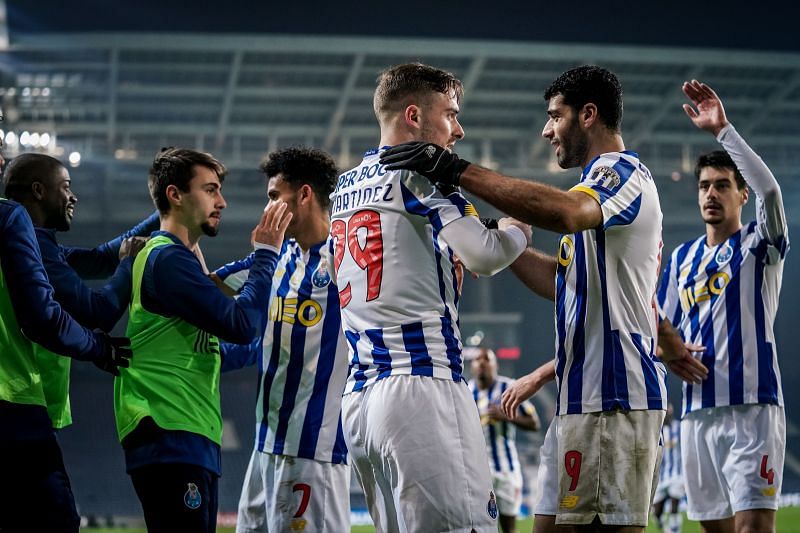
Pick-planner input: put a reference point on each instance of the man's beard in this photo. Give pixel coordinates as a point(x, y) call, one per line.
point(209, 230)
point(574, 146)
point(59, 223)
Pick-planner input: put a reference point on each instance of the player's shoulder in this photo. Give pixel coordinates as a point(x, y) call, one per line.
point(680, 252)
point(9, 210)
point(612, 170)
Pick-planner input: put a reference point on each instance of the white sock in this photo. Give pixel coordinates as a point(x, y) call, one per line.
point(675, 521)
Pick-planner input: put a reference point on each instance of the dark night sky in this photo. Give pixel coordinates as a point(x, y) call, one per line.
point(733, 24)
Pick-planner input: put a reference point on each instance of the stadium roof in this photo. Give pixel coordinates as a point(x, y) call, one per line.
point(122, 96)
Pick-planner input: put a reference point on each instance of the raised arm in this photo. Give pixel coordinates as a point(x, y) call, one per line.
point(707, 113)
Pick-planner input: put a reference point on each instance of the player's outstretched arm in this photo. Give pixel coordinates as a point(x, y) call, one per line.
point(196, 298)
point(93, 308)
point(101, 261)
point(38, 315)
point(680, 356)
point(525, 387)
point(481, 250)
point(534, 203)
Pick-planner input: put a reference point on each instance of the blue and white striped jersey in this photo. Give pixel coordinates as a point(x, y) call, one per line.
point(605, 290)
point(500, 436)
point(725, 297)
point(397, 284)
point(302, 372)
point(671, 467)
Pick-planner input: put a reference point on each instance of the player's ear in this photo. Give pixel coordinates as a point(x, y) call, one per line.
point(37, 190)
point(412, 115)
point(588, 115)
point(173, 194)
point(745, 194)
point(305, 194)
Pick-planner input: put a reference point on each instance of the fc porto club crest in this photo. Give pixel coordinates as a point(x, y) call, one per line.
point(192, 498)
point(491, 507)
point(724, 254)
point(606, 177)
point(321, 277)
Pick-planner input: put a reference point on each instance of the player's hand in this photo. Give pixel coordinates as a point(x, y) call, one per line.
point(685, 364)
point(131, 246)
point(428, 159)
point(117, 353)
point(709, 115)
point(518, 392)
point(272, 227)
point(507, 222)
point(496, 414)
point(458, 268)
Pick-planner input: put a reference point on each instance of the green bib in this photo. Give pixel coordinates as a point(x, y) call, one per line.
point(20, 380)
point(174, 372)
point(54, 370)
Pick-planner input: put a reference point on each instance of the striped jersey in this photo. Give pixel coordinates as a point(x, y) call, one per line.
point(605, 290)
point(302, 371)
point(725, 297)
point(397, 284)
point(671, 467)
point(500, 436)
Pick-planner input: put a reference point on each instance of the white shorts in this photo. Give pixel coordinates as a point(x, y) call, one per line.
point(282, 493)
point(508, 490)
point(674, 488)
point(547, 480)
point(608, 466)
point(733, 459)
point(418, 451)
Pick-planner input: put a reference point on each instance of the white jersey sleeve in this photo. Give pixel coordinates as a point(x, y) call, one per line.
point(483, 251)
point(770, 213)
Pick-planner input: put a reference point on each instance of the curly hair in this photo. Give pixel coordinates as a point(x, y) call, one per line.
point(300, 166)
point(590, 84)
